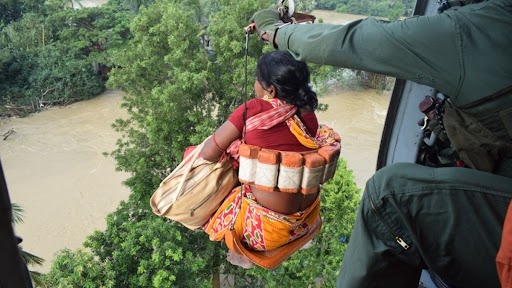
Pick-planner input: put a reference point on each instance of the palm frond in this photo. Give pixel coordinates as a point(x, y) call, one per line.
point(37, 279)
point(17, 213)
point(29, 258)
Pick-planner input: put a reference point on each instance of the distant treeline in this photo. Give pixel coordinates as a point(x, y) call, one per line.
point(391, 9)
point(55, 52)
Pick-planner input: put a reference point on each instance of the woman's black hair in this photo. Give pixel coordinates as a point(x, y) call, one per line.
point(290, 78)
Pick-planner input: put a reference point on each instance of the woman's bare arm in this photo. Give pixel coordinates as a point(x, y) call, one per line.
point(220, 141)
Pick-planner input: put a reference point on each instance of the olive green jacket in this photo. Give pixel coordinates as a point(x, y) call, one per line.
point(463, 53)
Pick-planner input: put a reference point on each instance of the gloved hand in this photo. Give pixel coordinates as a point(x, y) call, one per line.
point(267, 22)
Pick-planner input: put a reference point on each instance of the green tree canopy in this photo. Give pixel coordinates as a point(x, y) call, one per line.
point(178, 90)
point(59, 56)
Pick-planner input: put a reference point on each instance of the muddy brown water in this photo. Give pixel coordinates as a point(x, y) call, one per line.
point(56, 172)
point(359, 117)
point(55, 169)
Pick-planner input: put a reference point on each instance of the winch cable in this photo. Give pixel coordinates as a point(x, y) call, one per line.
point(245, 96)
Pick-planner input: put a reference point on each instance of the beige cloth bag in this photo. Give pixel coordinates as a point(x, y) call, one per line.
point(194, 190)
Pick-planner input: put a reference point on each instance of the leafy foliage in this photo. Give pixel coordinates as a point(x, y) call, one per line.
point(13, 10)
point(77, 269)
point(55, 81)
point(163, 71)
point(55, 58)
point(178, 91)
point(227, 62)
point(141, 250)
point(182, 66)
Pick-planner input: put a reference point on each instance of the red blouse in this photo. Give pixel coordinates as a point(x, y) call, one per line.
point(278, 137)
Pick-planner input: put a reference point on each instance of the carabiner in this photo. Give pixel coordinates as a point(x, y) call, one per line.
point(285, 11)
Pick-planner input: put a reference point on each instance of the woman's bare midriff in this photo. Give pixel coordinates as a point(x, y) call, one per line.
point(282, 202)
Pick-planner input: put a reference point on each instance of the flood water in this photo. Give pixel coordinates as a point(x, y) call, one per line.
point(56, 172)
point(359, 117)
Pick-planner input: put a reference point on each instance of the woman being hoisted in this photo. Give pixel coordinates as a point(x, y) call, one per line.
point(266, 226)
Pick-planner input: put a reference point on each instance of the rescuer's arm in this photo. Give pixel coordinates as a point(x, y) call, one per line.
point(418, 49)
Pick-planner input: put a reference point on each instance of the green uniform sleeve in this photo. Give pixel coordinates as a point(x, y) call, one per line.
point(418, 49)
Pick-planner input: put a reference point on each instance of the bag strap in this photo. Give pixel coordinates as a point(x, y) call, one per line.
point(189, 162)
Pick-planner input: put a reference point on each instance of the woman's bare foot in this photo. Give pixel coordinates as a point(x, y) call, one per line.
point(239, 260)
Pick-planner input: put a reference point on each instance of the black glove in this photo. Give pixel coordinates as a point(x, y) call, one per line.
point(267, 22)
